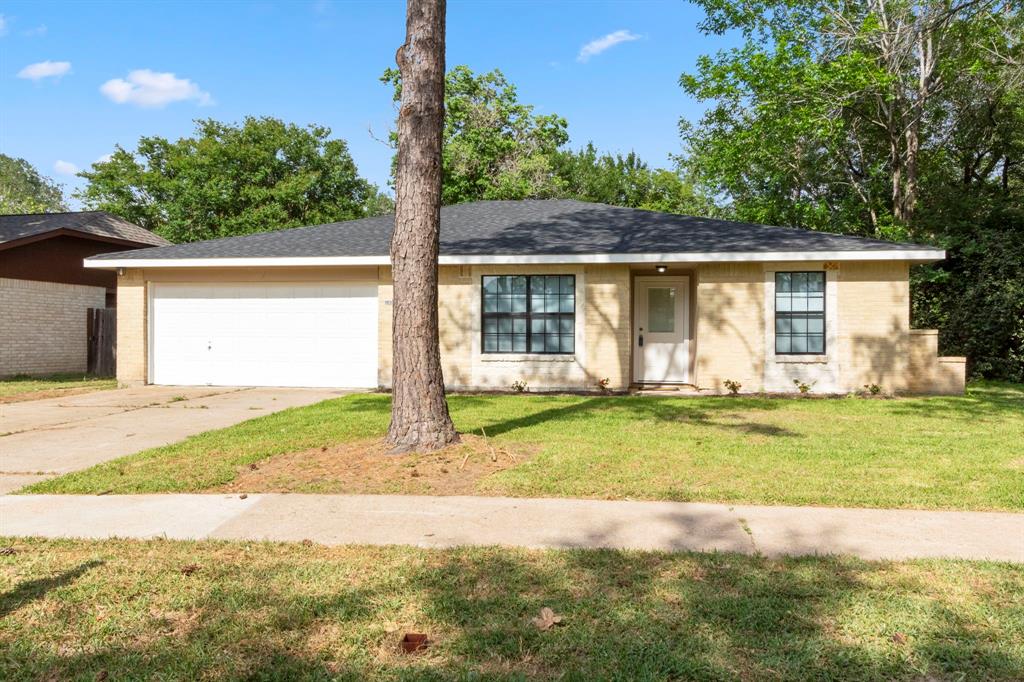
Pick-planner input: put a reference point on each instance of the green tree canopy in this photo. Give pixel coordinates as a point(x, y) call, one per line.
point(589, 175)
point(24, 190)
point(495, 147)
point(229, 179)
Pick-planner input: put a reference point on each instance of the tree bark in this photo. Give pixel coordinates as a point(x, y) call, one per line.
point(419, 411)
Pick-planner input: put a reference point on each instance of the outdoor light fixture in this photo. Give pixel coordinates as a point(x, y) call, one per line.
point(662, 269)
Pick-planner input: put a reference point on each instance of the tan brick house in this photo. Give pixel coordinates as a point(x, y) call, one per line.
point(560, 294)
point(45, 291)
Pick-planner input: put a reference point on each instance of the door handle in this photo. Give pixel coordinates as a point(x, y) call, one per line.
point(641, 340)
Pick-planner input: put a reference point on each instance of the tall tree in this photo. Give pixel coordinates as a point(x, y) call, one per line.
point(419, 411)
point(830, 110)
point(24, 190)
point(229, 180)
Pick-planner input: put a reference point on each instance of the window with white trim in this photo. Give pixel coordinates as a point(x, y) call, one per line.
point(528, 314)
point(799, 313)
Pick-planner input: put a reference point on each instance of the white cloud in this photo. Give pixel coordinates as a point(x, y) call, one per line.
point(599, 45)
point(104, 159)
point(36, 32)
point(46, 69)
point(3, 25)
point(65, 167)
point(146, 88)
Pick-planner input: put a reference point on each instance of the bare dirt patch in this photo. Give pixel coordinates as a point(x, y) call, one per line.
point(365, 467)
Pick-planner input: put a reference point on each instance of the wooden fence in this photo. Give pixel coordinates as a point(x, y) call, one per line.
point(102, 331)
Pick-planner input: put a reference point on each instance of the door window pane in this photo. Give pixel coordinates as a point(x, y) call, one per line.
point(661, 309)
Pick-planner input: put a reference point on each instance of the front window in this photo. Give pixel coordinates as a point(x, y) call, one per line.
point(529, 313)
point(799, 313)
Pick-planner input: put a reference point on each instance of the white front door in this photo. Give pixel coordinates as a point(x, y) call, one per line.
point(661, 345)
point(264, 334)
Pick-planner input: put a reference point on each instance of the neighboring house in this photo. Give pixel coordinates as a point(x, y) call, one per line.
point(45, 291)
point(560, 294)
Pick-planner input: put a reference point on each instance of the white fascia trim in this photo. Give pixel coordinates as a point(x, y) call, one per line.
point(918, 255)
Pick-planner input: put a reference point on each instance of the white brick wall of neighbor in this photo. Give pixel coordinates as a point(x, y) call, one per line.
point(43, 326)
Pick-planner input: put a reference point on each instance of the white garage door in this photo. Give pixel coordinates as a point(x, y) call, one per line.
point(301, 334)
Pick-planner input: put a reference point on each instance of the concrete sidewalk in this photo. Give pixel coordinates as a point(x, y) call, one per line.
point(547, 523)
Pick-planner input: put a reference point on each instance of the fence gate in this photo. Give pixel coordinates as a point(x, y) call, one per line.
point(102, 332)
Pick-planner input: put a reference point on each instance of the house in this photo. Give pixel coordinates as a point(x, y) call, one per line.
point(45, 291)
point(560, 294)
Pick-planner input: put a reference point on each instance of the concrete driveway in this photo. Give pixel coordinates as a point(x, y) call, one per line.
point(44, 438)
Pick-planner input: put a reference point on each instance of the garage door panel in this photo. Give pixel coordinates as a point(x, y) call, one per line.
point(320, 334)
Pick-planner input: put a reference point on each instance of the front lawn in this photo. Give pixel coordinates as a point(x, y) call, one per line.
point(20, 388)
point(929, 453)
point(217, 610)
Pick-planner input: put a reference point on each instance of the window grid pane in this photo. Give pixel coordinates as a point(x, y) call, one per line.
point(800, 313)
point(528, 313)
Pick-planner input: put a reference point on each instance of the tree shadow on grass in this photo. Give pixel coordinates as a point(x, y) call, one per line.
point(37, 589)
point(714, 412)
point(982, 401)
point(627, 616)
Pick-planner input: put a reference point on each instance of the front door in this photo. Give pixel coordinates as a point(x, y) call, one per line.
point(661, 346)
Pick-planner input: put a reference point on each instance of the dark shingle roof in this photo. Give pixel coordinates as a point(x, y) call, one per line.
point(98, 223)
point(530, 227)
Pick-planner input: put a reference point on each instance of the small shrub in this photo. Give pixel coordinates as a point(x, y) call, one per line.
point(803, 386)
point(733, 386)
point(519, 386)
point(602, 385)
point(873, 389)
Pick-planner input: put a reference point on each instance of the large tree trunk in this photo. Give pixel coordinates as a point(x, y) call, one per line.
point(419, 412)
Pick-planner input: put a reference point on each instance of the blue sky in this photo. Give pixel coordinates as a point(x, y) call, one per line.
point(77, 78)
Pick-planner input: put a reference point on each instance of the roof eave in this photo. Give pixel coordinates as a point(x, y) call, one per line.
point(922, 255)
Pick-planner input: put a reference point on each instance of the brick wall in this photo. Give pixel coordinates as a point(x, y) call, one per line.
point(43, 326)
point(730, 325)
point(131, 328)
point(868, 329)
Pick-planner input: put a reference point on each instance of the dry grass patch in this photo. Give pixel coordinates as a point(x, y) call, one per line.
point(366, 467)
point(18, 389)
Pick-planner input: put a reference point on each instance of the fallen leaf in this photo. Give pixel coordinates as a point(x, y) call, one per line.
point(101, 675)
point(242, 496)
point(547, 619)
point(189, 569)
point(253, 467)
point(899, 638)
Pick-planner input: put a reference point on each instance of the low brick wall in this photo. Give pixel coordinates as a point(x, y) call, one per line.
point(931, 373)
point(43, 326)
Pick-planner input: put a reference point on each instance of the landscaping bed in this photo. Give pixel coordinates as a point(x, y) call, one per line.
point(365, 467)
point(119, 609)
point(928, 453)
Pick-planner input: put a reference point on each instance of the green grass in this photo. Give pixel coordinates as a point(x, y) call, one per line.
point(17, 388)
point(79, 609)
point(929, 453)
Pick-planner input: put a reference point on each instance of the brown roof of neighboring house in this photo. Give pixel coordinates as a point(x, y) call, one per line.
point(99, 224)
